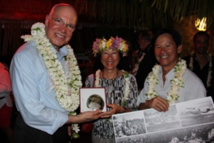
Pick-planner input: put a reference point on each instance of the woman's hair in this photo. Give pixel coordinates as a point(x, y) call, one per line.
point(175, 36)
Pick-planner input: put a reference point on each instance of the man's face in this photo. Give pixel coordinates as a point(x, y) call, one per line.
point(201, 44)
point(60, 25)
point(143, 43)
point(166, 51)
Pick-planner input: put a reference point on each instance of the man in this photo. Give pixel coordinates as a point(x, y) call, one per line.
point(46, 80)
point(144, 58)
point(201, 63)
point(170, 81)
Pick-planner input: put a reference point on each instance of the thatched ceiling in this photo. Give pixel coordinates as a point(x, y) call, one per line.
point(127, 13)
point(152, 13)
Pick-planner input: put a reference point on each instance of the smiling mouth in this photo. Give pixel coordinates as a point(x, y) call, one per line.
point(163, 57)
point(60, 36)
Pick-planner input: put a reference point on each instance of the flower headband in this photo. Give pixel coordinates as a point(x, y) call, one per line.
point(112, 44)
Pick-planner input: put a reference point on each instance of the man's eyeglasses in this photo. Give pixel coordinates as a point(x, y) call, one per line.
point(60, 22)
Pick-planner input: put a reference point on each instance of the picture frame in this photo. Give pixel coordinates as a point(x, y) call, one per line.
point(92, 99)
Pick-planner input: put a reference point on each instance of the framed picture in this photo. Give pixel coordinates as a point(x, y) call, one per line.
point(92, 99)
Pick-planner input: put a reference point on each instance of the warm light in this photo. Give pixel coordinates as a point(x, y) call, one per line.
point(201, 24)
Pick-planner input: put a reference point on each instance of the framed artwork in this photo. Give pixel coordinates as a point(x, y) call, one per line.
point(92, 99)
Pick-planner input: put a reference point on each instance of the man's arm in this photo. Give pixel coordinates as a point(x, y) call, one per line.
point(84, 117)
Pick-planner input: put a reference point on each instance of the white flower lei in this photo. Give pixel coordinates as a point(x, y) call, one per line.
point(176, 82)
point(67, 86)
point(126, 75)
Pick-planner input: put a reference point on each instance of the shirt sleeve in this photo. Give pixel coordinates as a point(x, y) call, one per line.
point(194, 87)
point(142, 98)
point(37, 113)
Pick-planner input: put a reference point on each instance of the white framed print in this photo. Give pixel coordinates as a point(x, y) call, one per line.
point(92, 99)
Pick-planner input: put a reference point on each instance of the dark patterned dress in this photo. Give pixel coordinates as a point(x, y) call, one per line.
point(103, 128)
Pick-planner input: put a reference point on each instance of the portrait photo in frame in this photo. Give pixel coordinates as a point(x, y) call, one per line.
point(92, 99)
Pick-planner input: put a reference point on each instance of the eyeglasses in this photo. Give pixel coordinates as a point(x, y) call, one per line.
point(60, 22)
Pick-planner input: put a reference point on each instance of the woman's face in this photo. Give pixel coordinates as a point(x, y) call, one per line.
point(166, 51)
point(110, 59)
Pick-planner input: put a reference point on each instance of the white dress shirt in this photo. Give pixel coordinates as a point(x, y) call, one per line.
point(193, 87)
point(34, 92)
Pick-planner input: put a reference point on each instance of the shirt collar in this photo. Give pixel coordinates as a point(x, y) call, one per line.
point(169, 75)
point(63, 51)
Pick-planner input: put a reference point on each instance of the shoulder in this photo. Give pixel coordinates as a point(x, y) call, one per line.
point(27, 57)
point(192, 78)
point(3, 69)
point(27, 50)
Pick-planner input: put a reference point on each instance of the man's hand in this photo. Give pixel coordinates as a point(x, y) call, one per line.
point(84, 117)
point(157, 103)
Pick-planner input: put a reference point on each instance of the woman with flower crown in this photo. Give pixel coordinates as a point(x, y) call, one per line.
point(120, 86)
point(170, 81)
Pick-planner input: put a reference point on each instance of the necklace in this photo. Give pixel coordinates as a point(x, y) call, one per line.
point(209, 68)
point(176, 82)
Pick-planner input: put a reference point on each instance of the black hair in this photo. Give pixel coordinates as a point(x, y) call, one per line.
point(175, 35)
point(146, 34)
point(201, 33)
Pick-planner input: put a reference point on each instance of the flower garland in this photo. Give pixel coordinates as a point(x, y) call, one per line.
point(209, 77)
point(127, 90)
point(66, 86)
point(176, 82)
point(113, 43)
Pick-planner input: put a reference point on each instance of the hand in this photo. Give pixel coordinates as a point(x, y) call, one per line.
point(158, 103)
point(84, 117)
point(115, 109)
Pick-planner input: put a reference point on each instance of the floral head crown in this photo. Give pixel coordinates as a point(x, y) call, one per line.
point(112, 44)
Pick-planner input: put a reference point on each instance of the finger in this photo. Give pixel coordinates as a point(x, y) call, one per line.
point(161, 106)
point(97, 111)
point(163, 100)
point(110, 105)
point(162, 103)
point(106, 115)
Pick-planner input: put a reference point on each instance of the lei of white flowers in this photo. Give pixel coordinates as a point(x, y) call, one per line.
point(176, 82)
point(126, 75)
point(66, 86)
